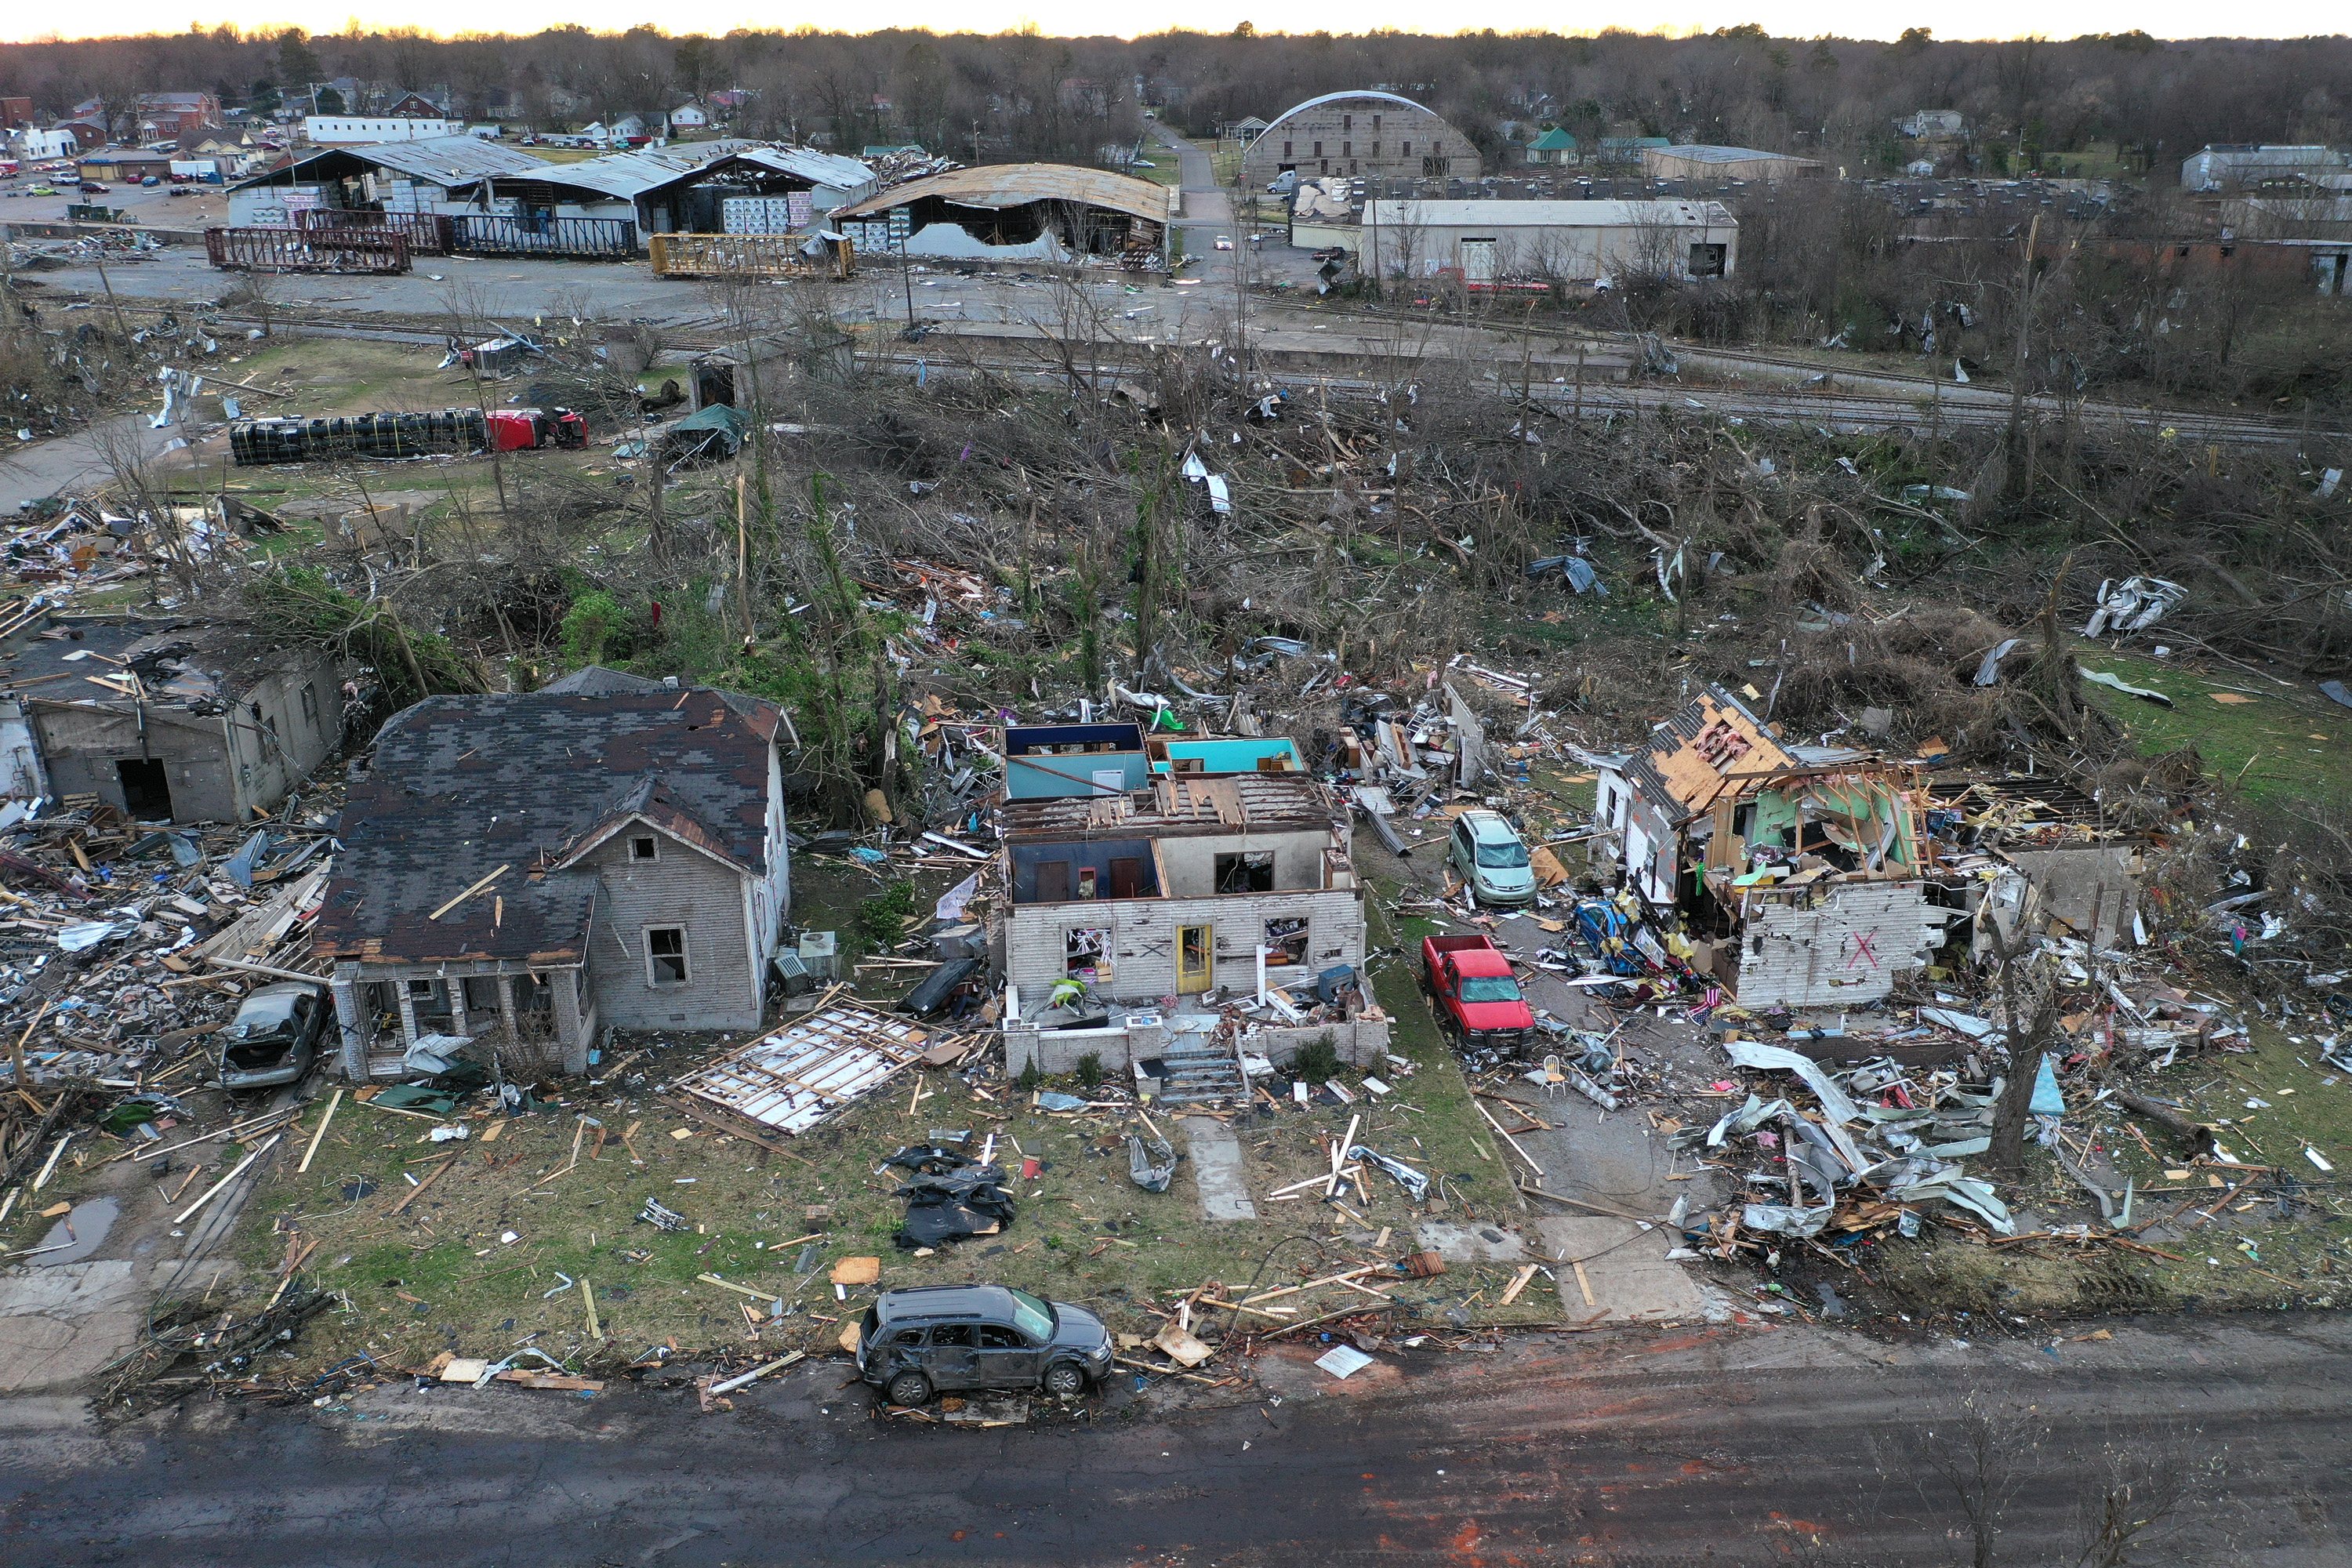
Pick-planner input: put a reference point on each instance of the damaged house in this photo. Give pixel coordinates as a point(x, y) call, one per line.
point(1182, 886)
point(538, 867)
point(1812, 864)
point(164, 719)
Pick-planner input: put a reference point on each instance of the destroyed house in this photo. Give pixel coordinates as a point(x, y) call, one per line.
point(539, 867)
point(1046, 762)
point(1812, 864)
point(164, 719)
point(1184, 886)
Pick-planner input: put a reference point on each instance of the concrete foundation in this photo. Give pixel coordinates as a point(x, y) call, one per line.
point(1363, 1043)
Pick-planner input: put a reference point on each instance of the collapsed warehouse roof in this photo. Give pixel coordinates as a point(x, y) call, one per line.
point(1023, 211)
point(446, 161)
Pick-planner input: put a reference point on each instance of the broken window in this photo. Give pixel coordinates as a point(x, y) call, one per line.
point(1286, 940)
point(481, 993)
point(310, 706)
point(666, 955)
point(1084, 950)
point(1250, 871)
point(644, 848)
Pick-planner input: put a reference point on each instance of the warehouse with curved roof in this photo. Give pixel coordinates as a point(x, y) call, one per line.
point(1365, 132)
point(1046, 212)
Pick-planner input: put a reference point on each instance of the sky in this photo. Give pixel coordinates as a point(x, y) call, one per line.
point(1783, 19)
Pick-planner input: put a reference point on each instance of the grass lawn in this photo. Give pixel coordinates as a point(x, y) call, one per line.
point(2273, 740)
point(442, 1273)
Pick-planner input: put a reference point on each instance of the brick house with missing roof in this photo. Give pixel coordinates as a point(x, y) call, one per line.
point(607, 852)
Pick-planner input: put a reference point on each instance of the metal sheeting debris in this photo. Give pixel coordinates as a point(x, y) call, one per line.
point(798, 1075)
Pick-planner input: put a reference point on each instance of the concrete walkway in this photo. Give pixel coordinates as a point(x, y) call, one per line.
point(1625, 1271)
point(1216, 1162)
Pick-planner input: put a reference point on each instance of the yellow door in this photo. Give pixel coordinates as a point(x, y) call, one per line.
point(1195, 953)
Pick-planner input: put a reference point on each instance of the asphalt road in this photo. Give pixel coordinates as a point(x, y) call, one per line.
point(1671, 1447)
point(69, 465)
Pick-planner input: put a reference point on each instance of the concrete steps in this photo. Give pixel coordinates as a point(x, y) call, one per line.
point(1199, 1074)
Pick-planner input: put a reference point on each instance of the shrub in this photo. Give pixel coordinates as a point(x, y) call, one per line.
point(1090, 1069)
point(1318, 1061)
point(882, 919)
point(1031, 1079)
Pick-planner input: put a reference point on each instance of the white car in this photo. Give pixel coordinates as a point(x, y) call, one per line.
point(1225, 242)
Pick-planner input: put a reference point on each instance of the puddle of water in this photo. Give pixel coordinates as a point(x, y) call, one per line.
point(78, 1234)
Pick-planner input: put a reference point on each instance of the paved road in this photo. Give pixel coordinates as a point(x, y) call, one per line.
point(1721, 1447)
point(70, 465)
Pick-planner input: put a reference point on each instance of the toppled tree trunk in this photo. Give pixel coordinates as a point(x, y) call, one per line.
point(2198, 1138)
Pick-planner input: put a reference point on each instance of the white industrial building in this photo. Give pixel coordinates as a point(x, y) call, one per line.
point(1579, 242)
point(2228, 168)
point(365, 129)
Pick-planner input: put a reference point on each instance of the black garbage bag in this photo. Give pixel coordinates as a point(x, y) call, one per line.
point(951, 1198)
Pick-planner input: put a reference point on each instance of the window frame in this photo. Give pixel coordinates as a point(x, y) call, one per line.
point(654, 980)
point(1225, 864)
point(650, 842)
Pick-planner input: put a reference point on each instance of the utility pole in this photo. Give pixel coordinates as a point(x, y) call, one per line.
point(2020, 482)
point(907, 270)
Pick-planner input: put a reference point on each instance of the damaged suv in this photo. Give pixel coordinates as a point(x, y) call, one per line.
point(933, 1338)
point(274, 1035)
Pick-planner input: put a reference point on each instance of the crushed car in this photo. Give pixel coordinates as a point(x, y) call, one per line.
point(936, 1339)
point(274, 1037)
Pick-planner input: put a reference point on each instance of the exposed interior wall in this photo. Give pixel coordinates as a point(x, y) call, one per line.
point(1192, 860)
point(1071, 862)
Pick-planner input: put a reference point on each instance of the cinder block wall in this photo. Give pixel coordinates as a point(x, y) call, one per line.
point(1362, 1044)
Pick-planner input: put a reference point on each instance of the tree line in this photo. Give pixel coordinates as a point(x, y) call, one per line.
point(2121, 99)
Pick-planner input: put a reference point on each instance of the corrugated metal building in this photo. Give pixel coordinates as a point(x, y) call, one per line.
point(1484, 241)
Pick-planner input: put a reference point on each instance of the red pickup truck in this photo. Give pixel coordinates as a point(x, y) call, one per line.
point(1477, 997)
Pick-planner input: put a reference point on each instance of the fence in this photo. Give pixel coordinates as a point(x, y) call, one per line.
point(750, 256)
point(483, 233)
point(301, 251)
point(427, 233)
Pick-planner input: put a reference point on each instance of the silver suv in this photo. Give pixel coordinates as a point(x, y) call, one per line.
point(933, 1338)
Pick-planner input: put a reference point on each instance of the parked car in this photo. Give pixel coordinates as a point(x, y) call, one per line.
point(1477, 995)
point(1492, 859)
point(273, 1037)
point(933, 1338)
point(1225, 242)
point(150, 180)
point(92, 188)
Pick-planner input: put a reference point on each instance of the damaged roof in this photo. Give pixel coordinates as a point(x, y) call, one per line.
point(1180, 802)
point(199, 665)
point(1714, 745)
point(440, 160)
point(460, 786)
point(994, 185)
point(603, 680)
point(626, 177)
point(829, 169)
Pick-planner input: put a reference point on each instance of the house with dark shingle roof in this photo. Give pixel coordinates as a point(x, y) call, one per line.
point(538, 868)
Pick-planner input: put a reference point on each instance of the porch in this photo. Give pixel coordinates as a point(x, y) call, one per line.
point(543, 1020)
